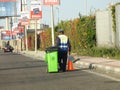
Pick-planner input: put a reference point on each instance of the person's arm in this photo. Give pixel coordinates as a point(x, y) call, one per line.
point(69, 47)
point(57, 42)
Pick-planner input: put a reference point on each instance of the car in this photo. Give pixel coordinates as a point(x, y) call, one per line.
point(8, 48)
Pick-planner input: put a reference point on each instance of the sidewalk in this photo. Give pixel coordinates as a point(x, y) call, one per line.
point(33, 54)
point(107, 64)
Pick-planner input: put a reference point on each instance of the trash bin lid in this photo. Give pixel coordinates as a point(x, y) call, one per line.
point(51, 49)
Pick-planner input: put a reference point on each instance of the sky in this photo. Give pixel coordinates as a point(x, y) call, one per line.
point(70, 9)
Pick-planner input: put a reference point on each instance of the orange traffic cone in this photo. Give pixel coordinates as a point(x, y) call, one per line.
point(70, 65)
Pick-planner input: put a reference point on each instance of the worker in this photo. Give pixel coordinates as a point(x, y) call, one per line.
point(64, 48)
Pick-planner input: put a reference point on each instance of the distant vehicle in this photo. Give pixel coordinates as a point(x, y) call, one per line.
point(8, 48)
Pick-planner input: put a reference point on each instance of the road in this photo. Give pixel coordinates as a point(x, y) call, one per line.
point(18, 72)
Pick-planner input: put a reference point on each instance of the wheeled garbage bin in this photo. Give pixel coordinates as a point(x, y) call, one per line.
point(51, 58)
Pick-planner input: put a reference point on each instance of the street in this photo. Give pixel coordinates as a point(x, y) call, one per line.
point(18, 72)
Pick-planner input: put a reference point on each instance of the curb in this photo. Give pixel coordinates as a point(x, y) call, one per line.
point(32, 54)
point(108, 68)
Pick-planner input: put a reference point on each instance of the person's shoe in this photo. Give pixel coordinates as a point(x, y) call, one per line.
point(59, 70)
point(64, 70)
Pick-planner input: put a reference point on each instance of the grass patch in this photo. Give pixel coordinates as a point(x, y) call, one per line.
point(113, 53)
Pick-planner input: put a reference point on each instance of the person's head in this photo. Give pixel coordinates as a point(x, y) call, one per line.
point(61, 31)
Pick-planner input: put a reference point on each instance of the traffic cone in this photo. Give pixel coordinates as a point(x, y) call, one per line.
point(70, 65)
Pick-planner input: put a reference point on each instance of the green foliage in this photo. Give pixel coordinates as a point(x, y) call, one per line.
point(113, 16)
point(82, 34)
point(46, 38)
point(114, 19)
point(81, 31)
point(106, 52)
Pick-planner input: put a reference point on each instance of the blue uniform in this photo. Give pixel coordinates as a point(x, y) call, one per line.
point(64, 46)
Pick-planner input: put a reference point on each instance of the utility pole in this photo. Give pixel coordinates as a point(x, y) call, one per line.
point(52, 25)
point(15, 21)
point(11, 24)
point(51, 3)
point(20, 28)
point(23, 8)
point(35, 35)
point(26, 40)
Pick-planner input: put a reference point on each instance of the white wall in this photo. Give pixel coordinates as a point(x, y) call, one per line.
point(117, 25)
point(104, 32)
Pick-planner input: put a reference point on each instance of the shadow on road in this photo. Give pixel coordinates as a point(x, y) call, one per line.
point(9, 53)
point(23, 67)
point(81, 69)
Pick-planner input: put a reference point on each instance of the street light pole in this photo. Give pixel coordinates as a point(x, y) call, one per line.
point(52, 25)
point(26, 41)
point(23, 8)
point(11, 24)
point(35, 35)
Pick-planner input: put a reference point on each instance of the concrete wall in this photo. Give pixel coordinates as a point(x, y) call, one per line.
point(117, 25)
point(104, 32)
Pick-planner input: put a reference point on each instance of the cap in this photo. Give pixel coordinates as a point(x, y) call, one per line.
point(60, 30)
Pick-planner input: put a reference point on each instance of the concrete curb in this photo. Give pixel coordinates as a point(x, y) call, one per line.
point(82, 64)
point(38, 54)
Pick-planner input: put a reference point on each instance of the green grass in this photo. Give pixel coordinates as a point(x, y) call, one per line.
point(113, 53)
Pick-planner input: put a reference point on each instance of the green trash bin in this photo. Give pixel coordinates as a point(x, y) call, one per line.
point(51, 58)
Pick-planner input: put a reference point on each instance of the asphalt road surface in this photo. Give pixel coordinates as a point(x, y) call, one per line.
point(18, 72)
